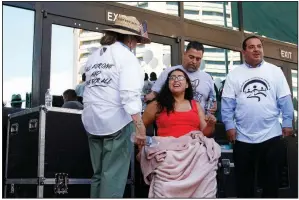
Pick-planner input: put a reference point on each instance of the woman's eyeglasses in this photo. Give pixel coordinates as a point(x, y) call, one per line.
point(177, 78)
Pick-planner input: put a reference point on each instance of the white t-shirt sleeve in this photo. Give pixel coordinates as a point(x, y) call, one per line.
point(130, 84)
point(282, 87)
point(229, 89)
point(160, 81)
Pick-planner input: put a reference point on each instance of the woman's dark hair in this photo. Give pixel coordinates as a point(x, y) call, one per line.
point(145, 77)
point(153, 76)
point(165, 98)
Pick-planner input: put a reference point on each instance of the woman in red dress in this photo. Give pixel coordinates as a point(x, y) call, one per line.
point(183, 161)
point(175, 111)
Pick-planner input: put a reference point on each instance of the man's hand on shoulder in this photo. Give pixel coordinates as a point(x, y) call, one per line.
point(150, 96)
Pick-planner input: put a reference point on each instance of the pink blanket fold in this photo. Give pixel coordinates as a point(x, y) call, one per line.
point(183, 167)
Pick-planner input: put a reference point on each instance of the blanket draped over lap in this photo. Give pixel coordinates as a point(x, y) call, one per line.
point(183, 167)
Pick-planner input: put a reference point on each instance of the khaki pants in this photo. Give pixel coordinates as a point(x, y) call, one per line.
point(110, 157)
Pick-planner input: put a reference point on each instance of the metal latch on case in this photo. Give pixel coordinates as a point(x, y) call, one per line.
point(33, 125)
point(12, 189)
point(61, 182)
point(14, 129)
point(225, 164)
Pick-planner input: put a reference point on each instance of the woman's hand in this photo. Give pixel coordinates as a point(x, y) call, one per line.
point(210, 119)
point(207, 122)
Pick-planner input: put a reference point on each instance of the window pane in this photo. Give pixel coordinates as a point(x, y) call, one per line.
point(70, 50)
point(224, 14)
point(18, 29)
point(280, 22)
point(170, 7)
point(295, 95)
point(216, 60)
point(154, 57)
point(191, 12)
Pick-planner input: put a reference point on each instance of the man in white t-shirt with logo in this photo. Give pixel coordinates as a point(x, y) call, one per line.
point(202, 83)
point(253, 96)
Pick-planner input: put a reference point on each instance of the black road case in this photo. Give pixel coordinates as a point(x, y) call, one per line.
point(226, 175)
point(226, 178)
point(48, 155)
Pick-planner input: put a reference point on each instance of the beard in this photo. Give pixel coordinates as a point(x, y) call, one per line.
point(191, 69)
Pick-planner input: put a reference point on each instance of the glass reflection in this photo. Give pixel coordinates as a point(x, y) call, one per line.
point(295, 96)
point(224, 14)
point(70, 50)
point(282, 27)
point(17, 73)
point(154, 57)
point(169, 7)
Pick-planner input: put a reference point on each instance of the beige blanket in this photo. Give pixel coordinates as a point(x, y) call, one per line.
point(183, 167)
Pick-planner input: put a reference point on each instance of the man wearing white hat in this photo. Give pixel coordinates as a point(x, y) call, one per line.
point(112, 105)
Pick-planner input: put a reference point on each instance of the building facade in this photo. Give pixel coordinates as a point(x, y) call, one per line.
point(214, 60)
point(57, 38)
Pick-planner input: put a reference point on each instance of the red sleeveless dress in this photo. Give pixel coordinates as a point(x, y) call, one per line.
point(178, 123)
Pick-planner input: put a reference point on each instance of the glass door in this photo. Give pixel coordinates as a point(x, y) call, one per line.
point(17, 69)
point(289, 179)
point(69, 42)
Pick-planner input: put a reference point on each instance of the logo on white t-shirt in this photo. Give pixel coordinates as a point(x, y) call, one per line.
point(103, 50)
point(196, 95)
point(255, 88)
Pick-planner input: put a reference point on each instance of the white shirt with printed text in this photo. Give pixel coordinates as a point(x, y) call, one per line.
point(114, 81)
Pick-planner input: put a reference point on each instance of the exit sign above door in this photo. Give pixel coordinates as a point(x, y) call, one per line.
point(286, 54)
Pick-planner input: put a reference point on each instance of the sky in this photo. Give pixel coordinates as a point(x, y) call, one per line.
point(18, 29)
